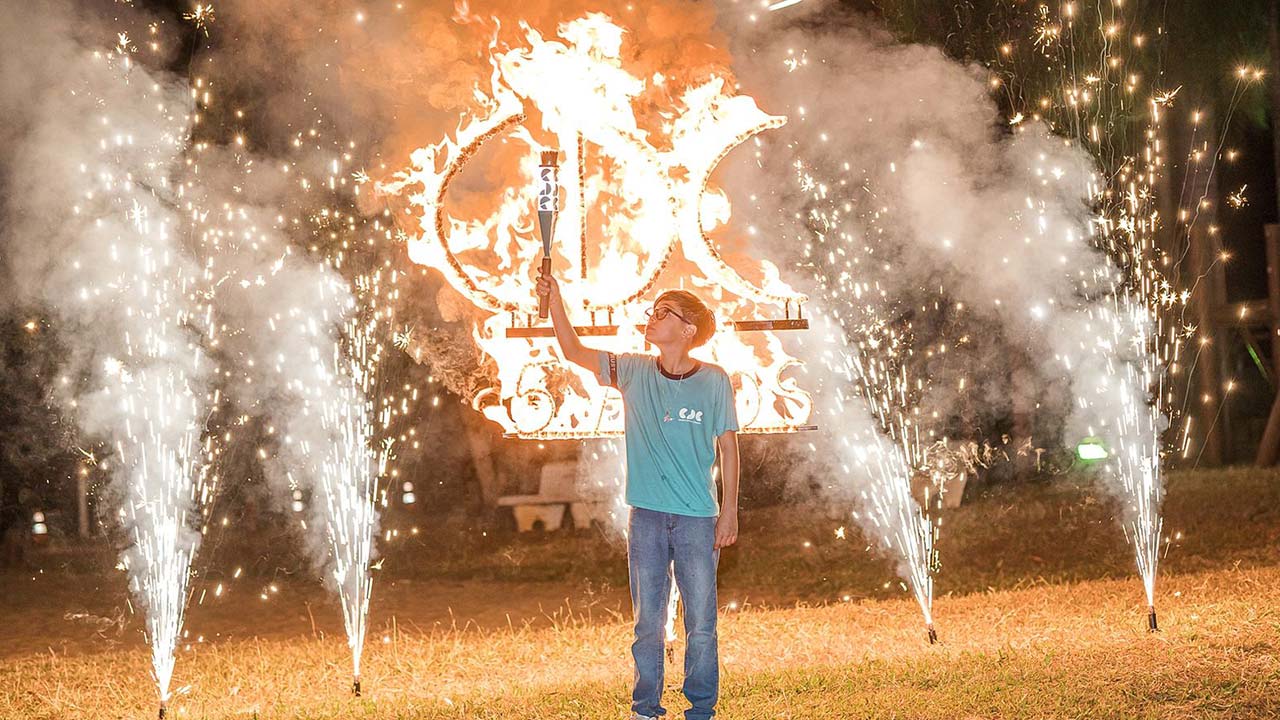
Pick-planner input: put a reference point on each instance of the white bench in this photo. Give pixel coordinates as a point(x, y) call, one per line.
point(556, 493)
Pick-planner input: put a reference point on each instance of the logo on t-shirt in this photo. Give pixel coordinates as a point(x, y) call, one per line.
point(690, 416)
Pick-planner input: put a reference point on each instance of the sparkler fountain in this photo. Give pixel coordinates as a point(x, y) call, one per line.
point(1122, 381)
point(323, 400)
point(313, 338)
point(886, 448)
point(101, 245)
point(310, 346)
point(1129, 380)
point(1099, 56)
point(158, 397)
point(348, 476)
point(160, 455)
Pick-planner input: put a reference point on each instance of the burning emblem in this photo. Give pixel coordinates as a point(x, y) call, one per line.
point(635, 208)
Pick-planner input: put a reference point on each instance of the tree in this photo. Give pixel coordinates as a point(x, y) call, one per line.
point(37, 461)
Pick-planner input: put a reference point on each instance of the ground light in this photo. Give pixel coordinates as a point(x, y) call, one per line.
point(1091, 450)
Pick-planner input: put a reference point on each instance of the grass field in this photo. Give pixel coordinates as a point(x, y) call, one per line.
point(1039, 612)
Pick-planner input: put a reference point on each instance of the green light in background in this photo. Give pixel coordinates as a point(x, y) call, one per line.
point(1091, 450)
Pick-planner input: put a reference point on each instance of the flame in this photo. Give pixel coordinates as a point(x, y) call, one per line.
point(638, 208)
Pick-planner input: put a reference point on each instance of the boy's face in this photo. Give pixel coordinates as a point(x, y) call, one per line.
point(666, 326)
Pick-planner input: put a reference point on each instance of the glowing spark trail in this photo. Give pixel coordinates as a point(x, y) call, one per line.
point(888, 452)
point(870, 404)
point(200, 16)
point(323, 357)
point(1123, 386)
point(348, 479)
point(1130, 381)
point(139, 296)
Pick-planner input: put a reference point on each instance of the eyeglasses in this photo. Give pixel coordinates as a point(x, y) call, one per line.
point(661, 312)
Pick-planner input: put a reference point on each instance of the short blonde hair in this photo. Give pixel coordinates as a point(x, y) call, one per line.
point(692, 308)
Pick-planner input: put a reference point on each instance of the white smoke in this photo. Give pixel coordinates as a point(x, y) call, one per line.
point(92, 145)
point(304, 356)
point(153, 251)
point(920, 183)
point(896, 180)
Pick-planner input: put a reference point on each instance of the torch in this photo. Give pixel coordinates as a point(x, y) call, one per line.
point(548, 199)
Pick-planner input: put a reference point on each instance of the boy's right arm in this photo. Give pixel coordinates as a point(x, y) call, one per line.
point(570, 346)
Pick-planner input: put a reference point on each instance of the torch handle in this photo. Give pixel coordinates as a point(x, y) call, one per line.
point(544, 306)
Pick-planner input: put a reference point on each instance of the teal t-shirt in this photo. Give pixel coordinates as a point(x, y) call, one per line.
point(671, 429)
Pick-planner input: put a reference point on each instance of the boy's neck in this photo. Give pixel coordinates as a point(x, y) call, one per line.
point(675, 359)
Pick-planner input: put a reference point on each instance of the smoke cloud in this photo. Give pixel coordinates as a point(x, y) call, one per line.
point(963, 236)
point(92, 145)
point(968, 231)
point(161, 254)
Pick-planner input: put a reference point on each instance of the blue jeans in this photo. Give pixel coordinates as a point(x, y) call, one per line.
point(654, 541)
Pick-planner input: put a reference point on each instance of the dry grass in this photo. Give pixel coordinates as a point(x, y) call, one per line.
point(1050, 638)
point(1045, 651)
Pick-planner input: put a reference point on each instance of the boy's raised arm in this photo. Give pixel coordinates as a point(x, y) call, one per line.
point(570, 346)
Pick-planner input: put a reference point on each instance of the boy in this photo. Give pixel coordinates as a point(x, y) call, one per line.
point(678, 412)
